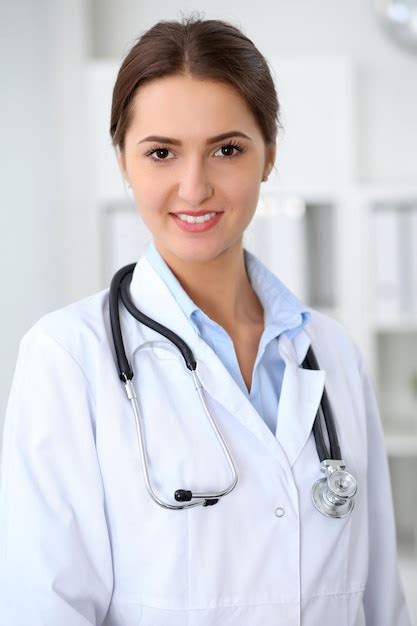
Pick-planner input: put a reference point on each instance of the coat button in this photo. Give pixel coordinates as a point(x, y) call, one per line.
point(279, 511)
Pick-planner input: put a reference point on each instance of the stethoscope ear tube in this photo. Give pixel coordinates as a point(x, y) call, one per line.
point(120, 286)
point(186, 352)
point(125, 371)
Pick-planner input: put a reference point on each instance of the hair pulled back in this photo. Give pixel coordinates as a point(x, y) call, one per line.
point(205, 49)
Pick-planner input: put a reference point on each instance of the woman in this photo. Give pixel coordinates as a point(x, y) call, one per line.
point(194, 122)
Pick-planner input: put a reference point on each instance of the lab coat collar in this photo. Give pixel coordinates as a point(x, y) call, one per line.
point(301, 389)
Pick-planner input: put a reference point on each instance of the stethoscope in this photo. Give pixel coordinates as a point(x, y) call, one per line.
point(332, 495)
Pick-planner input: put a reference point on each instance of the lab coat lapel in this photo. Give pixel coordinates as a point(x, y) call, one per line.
point(301, 389)
point(301, 393)
point(298, 404)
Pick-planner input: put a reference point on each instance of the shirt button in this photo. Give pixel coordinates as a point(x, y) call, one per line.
point(279, 511)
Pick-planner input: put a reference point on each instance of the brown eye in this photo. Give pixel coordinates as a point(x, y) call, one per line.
point(161, 153)
point(231, 147)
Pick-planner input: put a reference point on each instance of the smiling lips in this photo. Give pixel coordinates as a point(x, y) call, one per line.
point(197, 221)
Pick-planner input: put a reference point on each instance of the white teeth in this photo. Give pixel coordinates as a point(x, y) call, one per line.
point(195, 220)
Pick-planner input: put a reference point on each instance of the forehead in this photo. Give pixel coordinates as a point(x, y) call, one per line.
point(182, 104)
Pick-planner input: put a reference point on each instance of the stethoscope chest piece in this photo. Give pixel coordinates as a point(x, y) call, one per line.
point(333, 495)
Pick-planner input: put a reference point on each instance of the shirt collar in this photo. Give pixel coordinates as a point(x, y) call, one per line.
point(283, 311)
point(164, 271)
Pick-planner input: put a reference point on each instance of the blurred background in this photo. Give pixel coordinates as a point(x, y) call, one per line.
point(336, 221)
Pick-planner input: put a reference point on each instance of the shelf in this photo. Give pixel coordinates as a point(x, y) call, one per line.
point(401, 445)
point(386, 191)
point(398, 325)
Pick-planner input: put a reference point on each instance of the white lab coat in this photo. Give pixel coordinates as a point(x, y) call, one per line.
point(83, 543)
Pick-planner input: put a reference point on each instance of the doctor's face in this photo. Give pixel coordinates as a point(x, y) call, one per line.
point(176, 162)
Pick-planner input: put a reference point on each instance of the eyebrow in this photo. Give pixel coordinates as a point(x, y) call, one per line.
point(177, 142)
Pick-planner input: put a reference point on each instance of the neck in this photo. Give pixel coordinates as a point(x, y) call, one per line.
point(220, 287)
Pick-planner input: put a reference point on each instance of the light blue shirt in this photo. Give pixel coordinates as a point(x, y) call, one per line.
point(283, 312)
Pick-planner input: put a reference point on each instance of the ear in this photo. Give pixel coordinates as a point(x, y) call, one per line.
point(122, 163)
point(270, 155)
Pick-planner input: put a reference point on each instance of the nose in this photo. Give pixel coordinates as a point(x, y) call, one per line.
point(194, 186)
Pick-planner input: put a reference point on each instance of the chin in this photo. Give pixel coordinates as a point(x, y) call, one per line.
point(198, 251)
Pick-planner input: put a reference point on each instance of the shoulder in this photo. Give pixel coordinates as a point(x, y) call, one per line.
point(349, 380)
point(77, 328)
point(333, 341)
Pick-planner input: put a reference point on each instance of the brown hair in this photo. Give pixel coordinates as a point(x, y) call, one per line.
point(205, 49)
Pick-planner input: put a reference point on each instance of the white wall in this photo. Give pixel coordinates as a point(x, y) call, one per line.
point(43, 236)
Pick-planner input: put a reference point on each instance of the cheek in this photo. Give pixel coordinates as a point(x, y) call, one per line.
point(151, 202)
point(245, 199)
